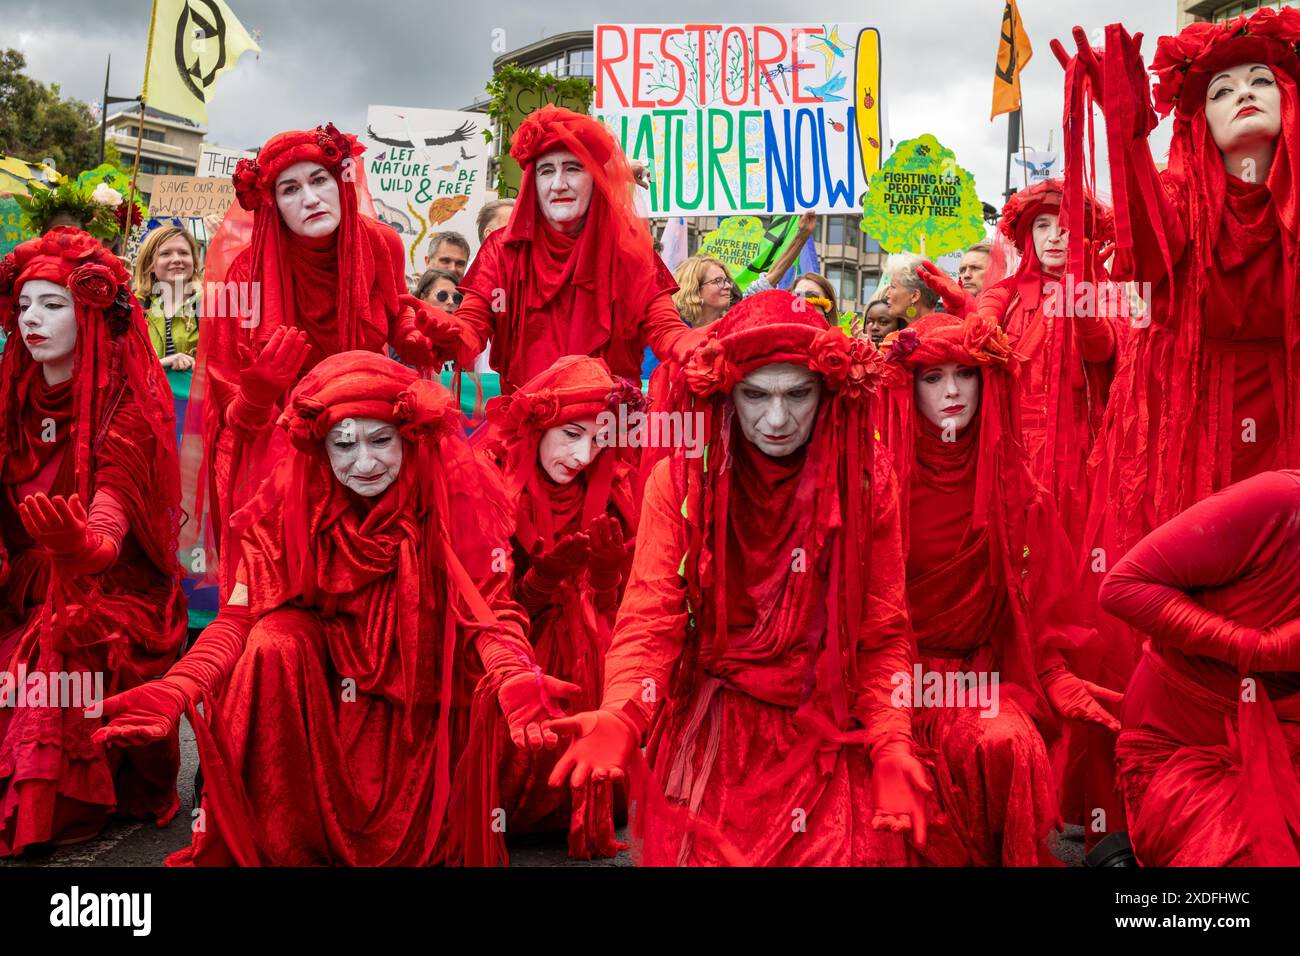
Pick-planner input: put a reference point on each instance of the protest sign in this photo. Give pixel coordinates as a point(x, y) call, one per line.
point(745, 118)
point(427, 172)
point(746, 247)
point(519, 93)
point(220, 161)
point(922, 201)
point(199, 197)
point(12, 232)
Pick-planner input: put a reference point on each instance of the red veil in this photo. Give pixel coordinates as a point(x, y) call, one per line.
point(122, 420)
point(601, 279)
point(1026, 557)
point(258, 277)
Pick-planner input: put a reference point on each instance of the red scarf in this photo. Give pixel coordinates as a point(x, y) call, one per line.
point(45, 403)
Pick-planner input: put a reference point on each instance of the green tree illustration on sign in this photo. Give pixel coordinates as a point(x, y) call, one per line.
point(921, 200)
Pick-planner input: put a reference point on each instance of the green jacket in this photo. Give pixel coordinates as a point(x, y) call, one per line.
point(185, 325)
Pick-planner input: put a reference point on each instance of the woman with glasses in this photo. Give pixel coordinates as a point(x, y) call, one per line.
point(703, 290)
point(438, 288)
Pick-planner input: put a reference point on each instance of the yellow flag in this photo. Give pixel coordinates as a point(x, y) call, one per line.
point(1014, 52)
point(191, 43)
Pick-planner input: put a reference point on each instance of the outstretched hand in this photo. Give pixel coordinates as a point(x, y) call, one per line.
point(58, 524)
point(1077, 699)
point(602, 749)
point(143, 714)
point(527, 699)
point(570, 553)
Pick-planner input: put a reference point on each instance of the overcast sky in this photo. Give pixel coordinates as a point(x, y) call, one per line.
point(326, 60)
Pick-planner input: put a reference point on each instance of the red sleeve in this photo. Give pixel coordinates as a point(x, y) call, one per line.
point(664, 330)
point(505, 647)
point(477, 324)
point(995, 301)
point(209, 662)
point(1096, 337)
point(1215, 542)
point(886, 647)
point(652, 619)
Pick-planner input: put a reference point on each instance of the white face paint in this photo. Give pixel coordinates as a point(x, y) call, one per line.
point(307, 196)
point(365, 454)
point(1243, 108)
point(1050, 242)
point(47, 322)
point(777, 406)
point(948, 395)
point(563, 189)
point(566, 450)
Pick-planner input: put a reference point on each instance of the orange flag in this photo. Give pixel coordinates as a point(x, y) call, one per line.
point(1014, 52)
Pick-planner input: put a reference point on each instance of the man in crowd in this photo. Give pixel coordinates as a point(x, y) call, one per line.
point(448, 251)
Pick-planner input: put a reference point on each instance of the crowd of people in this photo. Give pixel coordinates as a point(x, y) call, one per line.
point(1008, 551)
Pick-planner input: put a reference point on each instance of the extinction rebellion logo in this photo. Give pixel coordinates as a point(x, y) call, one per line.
point(197, 60)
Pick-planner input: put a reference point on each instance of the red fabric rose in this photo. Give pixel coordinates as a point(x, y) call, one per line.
point(527, 138)
point(865, 372)
point(899, 345)
point(8, 273)
point(93, 285)
point(627, 394)
point(986, 340)
point(246, 179)
point(333, 145)
point(520, 413)
point(829, 355)
point(303, 421)
point(421, 411)
point(708, 370)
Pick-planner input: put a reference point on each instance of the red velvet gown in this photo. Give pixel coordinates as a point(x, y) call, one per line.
point(563, 296)
point(1233, 431)
point(570, 635)
point(127, 626)
point(994, 789)
point(1208, 758)
point(326, 744)
point(735, 747)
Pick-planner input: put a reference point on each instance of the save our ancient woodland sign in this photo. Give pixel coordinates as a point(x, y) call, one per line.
point(745, 118)
point(922, 201)
point(197, 197)
point(427, 173)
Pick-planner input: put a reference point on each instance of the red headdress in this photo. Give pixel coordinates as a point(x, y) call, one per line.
point(827, 491)
point(1025, 544)
point(573, 388)
point(121, 411)
point(611, 258)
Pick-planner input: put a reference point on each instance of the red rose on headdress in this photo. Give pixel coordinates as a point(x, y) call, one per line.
point(626, 394)
point(247, 174)
point(1283, 24)
point(829, 355)
point(333, 144)
point(899, 345)
point(527, 138)
point(986, 339)
point(8, 273)
point(93, 284)
point(303, 421)
point(519, 413)
point(421, 410)
point(866, 369)
point(708, 370)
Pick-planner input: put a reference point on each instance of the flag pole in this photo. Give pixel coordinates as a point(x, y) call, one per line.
point(139, 133)
point(103, 112)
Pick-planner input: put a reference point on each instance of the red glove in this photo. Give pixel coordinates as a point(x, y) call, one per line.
point(264, 382)
point(146, 713)
point(546, 572)
point(525, 699)
point(602, 749)
point(151, 711)
point(1092, 59)
point(59, 525)
point(607, 555)
point(426, 335)
point(898, 781)
point(1076, 699)
point(687, 344)
point(956, 300)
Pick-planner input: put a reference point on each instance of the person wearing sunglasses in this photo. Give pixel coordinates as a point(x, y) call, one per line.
point(438, 288)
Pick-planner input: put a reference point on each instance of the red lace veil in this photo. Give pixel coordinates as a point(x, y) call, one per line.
point(249, 293)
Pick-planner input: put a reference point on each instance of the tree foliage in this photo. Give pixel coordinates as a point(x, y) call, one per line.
point(38, 122)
